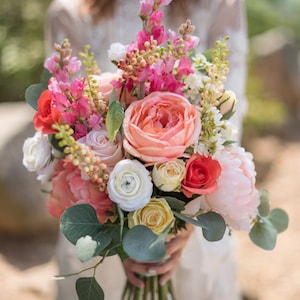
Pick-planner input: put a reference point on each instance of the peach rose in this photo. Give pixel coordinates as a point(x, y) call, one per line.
point(104, 81)
point(160, 127)
point(106, 84)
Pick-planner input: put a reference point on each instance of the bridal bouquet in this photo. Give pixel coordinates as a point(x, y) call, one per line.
point(128, 158)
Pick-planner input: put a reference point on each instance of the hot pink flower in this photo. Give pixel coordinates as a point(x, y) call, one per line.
point(160, 127)
point(70, 189)
point(236, 197)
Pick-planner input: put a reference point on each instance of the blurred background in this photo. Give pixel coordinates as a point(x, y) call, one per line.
point(271, 133)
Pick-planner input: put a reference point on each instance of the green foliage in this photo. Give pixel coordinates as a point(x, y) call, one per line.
point(114, 119)
point(213, 225)
point(87, 288)
point(141, 244)
point(268, 224)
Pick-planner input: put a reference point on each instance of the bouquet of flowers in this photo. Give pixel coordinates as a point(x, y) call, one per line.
point(128, 158)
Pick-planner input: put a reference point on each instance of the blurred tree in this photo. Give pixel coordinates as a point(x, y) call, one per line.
point(21, 46)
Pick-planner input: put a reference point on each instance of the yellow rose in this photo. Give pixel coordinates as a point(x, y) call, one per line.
point(168, 176)
point(156, 215)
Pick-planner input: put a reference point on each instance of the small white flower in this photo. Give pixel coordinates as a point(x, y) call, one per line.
point(36, 152)
point(130, 185)
point(116, 52)
point(85, 248)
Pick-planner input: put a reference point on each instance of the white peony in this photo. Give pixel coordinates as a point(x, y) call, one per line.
point(168, 176)
point(36, 152)
point(130, 185)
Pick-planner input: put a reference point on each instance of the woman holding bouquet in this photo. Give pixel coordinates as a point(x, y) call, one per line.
point(200, 269)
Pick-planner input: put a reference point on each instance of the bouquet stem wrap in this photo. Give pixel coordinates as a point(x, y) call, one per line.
point(153, 290)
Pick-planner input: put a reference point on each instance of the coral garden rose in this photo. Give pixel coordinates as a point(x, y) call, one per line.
point(47, 114)
point(168, 176)
point(156, 215)
point(105, 83)
point(160, 127)
point(201, 176)
point(69, 188)
point(130, 185)
point(236, 197)
point(98, 142)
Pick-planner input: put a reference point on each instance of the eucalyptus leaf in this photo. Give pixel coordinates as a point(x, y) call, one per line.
point(87, 288)
point(32, 94)
point(215, 226)
point(263, 234)
point(174, 203)
point(140, 243)
point(264, 207)
point(279, 219)
point(114, 119)
point(45, 76)
point(78, 221)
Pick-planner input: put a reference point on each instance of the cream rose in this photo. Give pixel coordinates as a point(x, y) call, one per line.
point(97, 141)
point(130, 185)
point(36, 152)
point(160, 127)
point(156, 215)
point(168, 176)
point(228, 102)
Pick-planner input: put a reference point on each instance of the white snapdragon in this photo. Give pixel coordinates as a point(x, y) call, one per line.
point(116, 52)
point(36, 152)
point(130, 185)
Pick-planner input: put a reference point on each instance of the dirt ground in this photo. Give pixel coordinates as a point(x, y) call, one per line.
point(27, 264)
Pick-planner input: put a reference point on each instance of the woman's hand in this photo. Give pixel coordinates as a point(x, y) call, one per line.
point(166, 268)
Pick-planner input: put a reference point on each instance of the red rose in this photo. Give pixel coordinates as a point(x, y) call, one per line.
point(46, 115)
point(201, 175)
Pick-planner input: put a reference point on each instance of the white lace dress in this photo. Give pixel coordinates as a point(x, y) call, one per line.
point(207, 271)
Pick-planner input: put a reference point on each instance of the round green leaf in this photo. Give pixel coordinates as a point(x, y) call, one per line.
point(32, 94)
point(279, 218)
point(263, 235)
point(264, 207)
point(78, 221)
point(213, 226)
point(46, 75)
point(141, 244)
point(87, 288)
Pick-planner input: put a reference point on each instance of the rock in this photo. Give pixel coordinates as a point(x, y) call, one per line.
point(22, 203)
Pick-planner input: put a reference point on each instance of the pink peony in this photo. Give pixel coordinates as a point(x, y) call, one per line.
point(69, 189)
point(236, 197)
point(160, 127)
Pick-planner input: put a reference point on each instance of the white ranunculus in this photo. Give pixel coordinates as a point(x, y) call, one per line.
point(36, 152)
point(117, 51)
point(130, 185)
point(168, 176)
